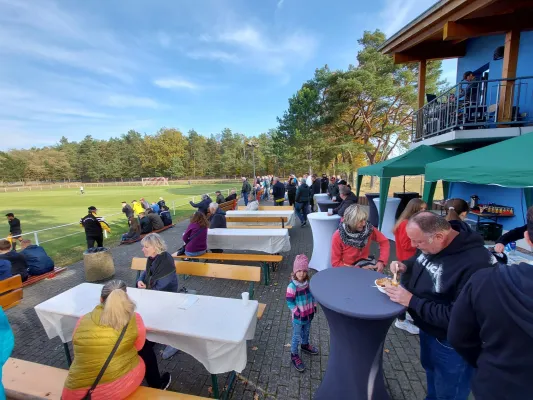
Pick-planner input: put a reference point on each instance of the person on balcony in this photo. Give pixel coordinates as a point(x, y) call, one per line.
point(469, 89)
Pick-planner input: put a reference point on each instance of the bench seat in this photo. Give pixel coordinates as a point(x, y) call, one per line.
point(49, 275)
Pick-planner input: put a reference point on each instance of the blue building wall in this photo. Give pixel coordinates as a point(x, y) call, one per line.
point(509, 197)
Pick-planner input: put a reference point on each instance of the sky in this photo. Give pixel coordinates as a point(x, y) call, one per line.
point(100, 68)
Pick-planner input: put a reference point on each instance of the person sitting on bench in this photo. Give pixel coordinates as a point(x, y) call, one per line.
point(5, 269)
point(157, 222)
point(17, 260)
point(146, 224)
point(36, 258)
point(232, 196)
point(135, 231)
point(165, 216)
point(94, 338)
point(253, 204)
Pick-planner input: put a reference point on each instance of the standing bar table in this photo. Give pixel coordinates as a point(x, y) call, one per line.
point(320, 197)
point(359, 317)
point(325, 204)
point(373, 215)
point(388, 219)
point(323, 227)
point(405, 198)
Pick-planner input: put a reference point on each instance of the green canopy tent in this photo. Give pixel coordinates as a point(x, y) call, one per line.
point(413, 162)
point(506, 163)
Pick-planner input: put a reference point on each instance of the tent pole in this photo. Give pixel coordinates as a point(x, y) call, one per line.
point(404, 183)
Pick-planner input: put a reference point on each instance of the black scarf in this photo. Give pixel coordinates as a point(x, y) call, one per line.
point(355, 239)
point(159, 267)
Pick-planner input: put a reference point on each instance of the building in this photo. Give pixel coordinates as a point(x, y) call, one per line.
point(493, 39)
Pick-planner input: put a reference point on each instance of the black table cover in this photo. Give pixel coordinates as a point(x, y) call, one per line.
point(404, 199)
point(373, 216)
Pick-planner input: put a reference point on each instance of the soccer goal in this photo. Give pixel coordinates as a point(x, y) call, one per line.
point(155, 181)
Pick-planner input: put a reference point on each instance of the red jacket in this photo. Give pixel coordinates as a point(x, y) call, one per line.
point(342, 255)
point(404, 249)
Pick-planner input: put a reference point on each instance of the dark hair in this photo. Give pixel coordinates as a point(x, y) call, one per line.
point(414, 206)
point(5, 245)
point(467, 74)
point(430, 223)
point(199, 218)
point(530, 222)
point(454, 208)
point(10, 215)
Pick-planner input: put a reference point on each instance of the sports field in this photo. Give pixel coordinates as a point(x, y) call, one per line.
point(53, 207)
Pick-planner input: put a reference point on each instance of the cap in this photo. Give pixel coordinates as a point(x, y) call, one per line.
point(92, 208)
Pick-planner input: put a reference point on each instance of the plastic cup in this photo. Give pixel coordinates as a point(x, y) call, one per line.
point(334, 198)
point(330, 211)
point(245, 298)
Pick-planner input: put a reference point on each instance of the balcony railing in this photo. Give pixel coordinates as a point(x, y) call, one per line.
point(476, 105)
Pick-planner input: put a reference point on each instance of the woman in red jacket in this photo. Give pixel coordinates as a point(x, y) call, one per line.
point(405, 250)
point(350, 245)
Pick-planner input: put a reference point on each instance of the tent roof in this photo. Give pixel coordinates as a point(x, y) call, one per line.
point(412, 162)
point(508, 163)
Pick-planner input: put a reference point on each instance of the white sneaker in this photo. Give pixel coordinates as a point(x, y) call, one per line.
point(408, 317)
point(407, 326)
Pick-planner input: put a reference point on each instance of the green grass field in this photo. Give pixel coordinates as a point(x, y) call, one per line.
point(53, 207)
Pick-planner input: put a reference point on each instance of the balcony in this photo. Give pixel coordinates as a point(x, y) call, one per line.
point(475, 112)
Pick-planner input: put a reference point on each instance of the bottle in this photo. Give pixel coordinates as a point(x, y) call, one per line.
point(513, 248)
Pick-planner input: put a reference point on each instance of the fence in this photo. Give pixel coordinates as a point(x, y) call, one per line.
point(58, 240)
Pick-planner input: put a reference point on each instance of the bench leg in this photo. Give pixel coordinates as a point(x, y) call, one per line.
point(67, 354)
point(251, 290)
point(214, 381)
point(266, 273)
point(231, 381)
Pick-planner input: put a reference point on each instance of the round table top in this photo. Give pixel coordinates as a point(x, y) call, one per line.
point(329, 202)
point(323, 216)
point(350, 291)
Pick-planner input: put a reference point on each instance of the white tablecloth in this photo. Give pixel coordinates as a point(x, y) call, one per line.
point(213, 330)
point(320, 197)
point(389, 219)
point(289, 214)
point(323, 228)
point(270, 241)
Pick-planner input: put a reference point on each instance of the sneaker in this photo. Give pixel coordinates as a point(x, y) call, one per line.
point(168, 352)
point(305, 223)
point(408, 317)
point(407, 326)
point(297, 362)
point(309, 349)
point(165, 381)
point(184, 290)
point(302, 224)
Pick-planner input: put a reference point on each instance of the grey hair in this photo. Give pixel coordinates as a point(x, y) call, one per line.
point(276, 178)
point(112, 285)
point(302, 180)
point(205, 196)
point(156, 241)
point(344, 190)
point(213, 205)
point(430, 223)
point(354, 214)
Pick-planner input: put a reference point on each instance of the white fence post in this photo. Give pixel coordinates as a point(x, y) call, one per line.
point(36, 237)
point(174, 207)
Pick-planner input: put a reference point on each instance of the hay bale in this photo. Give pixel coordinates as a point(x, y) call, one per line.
point(98, 266)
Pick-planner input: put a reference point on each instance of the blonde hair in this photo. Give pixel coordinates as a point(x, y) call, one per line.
point(354, 214)
point(118, 307)
point(414, 206)
point(155, 241)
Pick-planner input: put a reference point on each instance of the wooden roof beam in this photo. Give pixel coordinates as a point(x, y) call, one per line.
point(433, 52)
point(454, 31)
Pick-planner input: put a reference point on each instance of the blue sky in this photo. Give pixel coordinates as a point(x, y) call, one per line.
point(99, 67)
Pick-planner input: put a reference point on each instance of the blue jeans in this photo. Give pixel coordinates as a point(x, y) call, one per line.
point(448, 374)
point(301, 210)
point(300, 334)
point(194, 253)
point(245, 196)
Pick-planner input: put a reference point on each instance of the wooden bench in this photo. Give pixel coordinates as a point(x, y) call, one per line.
point(276, 208)
point(10, 292)
point(228, 205)
point(49, 275)
point(144, 234)
point(28, 380)
point(264, 259)
point(282, 220)
point(209, 270)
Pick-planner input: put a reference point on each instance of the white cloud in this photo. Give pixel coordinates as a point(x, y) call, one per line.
point(398, 13)
point(176, 83)
point(213, 55)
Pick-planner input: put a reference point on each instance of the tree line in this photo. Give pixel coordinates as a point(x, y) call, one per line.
point(336, 122)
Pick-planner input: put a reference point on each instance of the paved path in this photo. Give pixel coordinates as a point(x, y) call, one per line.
point(268, 373)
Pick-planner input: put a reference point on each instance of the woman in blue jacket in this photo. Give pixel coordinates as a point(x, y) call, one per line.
point(8, 342)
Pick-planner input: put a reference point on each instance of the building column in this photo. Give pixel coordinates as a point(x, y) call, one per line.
point(510, 60)
point(422, 66)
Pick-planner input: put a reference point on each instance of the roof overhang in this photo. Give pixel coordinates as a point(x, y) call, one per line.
point(441, 31)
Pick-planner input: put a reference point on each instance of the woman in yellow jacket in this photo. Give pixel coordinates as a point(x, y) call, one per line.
point(95, 335)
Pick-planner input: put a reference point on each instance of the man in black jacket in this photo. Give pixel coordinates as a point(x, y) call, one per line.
point(449, 254)
point(348, 198)
point(146, 224)
point(278, 192)
point(245, 190)
point(220, 198)
point(17, 260)
point(232, 195)
point(491, 326)
point(315, 189)
point(155, 219)
point(203, 205)
point(324, 184)
point(14, 229)
point(302, 202)
point(127, 210)
point(333, 189)
point(94, 228)
point(513, 235)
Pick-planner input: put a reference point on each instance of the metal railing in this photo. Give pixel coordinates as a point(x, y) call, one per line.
point(476, 105)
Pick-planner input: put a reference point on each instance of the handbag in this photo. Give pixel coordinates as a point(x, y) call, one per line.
point(106, 364)
point(181, 250)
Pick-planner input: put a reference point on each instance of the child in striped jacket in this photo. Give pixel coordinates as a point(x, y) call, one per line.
point(303, 307)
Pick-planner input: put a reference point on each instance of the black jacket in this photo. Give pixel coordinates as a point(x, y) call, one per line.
point(91, 224)
point(491, 326)
point(18, 264)
point(128, 211)
point(351, 199)
point(155, 219)
point(203, 205)
point(146, 225)
point(324, 185)
point(246, 187)
point(14, 227)
point(436, 280)
point(278, 190)
point(303, 193)
point(166, 218)
point(315, 188)
point(333, 190)
point(220, 199)
point(231, 197)
point(291, 189)
point(512, 236)
point(218, 220)
point(161, 204)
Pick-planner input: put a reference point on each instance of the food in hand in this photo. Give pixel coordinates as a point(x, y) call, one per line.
point(386, 282)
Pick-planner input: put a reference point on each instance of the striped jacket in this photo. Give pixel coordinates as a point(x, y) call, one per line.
point(301, 302)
